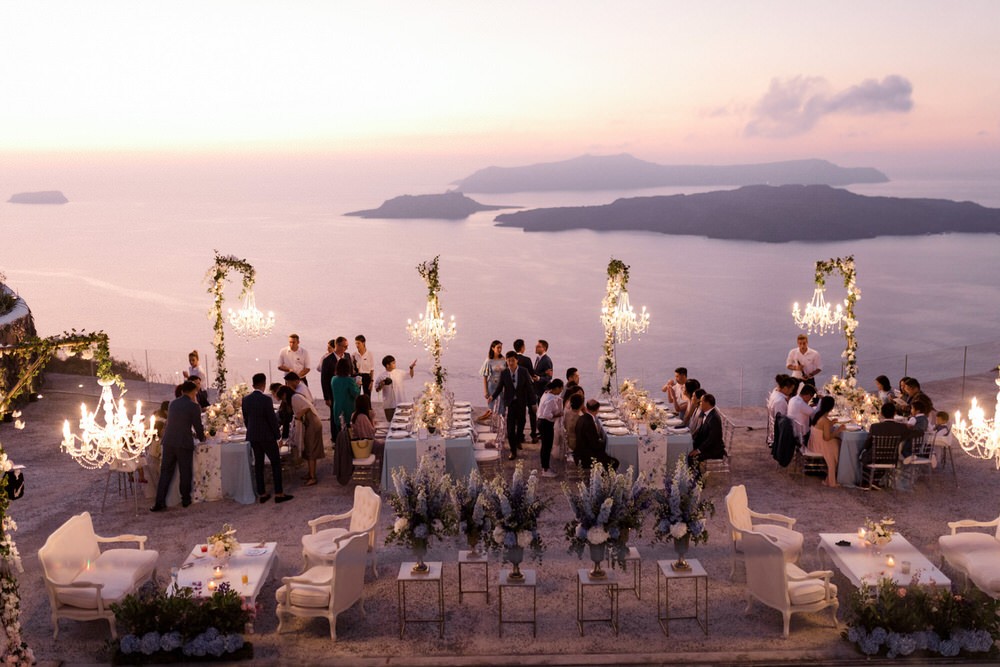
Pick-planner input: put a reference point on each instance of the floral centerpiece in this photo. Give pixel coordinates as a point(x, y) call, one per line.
point(470, 504)
point(223, 544)
point(848, 396)
point(513, 510)
point(901, 619)
point(227, 414)
point(638, 407)
point(433, 407)
point(424, 509)
point(879, 533)
point(681, 512)
point(606, 510)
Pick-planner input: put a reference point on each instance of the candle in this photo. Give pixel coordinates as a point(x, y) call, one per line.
point(861, 533)
point(905, 567)
point(217, 572)
point(212, 585)
point(890, 561)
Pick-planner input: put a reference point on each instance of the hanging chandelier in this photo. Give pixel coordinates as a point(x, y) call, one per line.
point(980, 437)
point(119, 438)
point(622, 319)
point(431, 328)
point(818, 318)
point(249, 322)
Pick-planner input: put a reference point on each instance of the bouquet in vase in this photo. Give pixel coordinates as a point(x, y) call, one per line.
point(513, 510)
point(223, 544)
point(227, 414)
point(470, 504)
point(879, 533)
point(679, 509)
point(606, 509)
point(432, 409)
point(423, 505)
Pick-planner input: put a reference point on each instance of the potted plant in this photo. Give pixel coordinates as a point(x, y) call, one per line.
point(424, 509)
point(513, 509)
point(681, 513)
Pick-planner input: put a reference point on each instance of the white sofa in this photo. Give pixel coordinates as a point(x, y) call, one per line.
point(82, 581)
point(975, 554)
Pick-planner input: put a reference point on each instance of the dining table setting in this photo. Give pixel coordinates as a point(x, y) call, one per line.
point(449, 443)
point(647, 445)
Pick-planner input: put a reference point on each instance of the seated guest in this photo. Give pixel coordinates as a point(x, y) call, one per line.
point(591, 440)
point(825, 438)
point(707, 440)
point(691, 405)
point(675, 390)
point(696, 415)
point(940, 436)
point(362, 426)
point(777, 401)
point(887, 427)
point(884, 389)
point(918, 423)
point(913, 389)
point(800, 412)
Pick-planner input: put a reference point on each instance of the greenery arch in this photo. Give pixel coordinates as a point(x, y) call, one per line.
point(216, 279)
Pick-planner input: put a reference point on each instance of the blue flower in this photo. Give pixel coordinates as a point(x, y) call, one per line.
point(129, 644)
point(907, 645)
point(949, 648)
point(234, 642)
point(150, 643)
point(210, 634)
point(879, 635)
point(216, 646)
point(854, 634)
point(868, 646)
point(171, 641)
point(420, 532)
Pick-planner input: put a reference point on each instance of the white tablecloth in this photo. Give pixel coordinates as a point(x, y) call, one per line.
point(221, 470)
point(625, 448)
point(459, 457)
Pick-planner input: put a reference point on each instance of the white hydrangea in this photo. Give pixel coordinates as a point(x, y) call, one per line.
point(678, 530)
point(524, 538)
point(597, 535)
point(401, 524)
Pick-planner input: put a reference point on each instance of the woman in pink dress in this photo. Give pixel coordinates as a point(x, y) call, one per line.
point(824, 438)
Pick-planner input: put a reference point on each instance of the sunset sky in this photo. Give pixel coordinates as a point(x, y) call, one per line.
point(856, 82)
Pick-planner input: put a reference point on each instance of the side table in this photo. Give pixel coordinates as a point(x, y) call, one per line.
point(407, 576)
point(610, 584)
point(636, 561)
point(530, 581)
point(666, 573)
point(465, 559)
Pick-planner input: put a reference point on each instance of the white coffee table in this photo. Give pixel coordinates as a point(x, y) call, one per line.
point(859, 563)
point(254, 559)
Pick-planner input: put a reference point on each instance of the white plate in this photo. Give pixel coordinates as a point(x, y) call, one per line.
point(614, 423)
point(678, 431)
point(618, 430)
point(255, 551)
point(676, 421)
point(852, 427)
point(463, 404)
point(398, 435)
point(407, 404)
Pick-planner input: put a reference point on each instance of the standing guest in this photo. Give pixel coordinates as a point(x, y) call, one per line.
point(801, 413)
point(195, 370)
point(294, 358)
point(364, 364)
point(572, 377)
point(525, 362)
point(543, 368)
point(311, 428)
point(550, 408)
point(571, 416)
point(344, 390)
point(363, 419)
point(285, 414)
point(804, 362)
point(263, 433)
point(515, 384)
point(490, 372)
point(825, 438)
point(690, 387)
point(201, 398)
point(177, 448)
point(675, 390)
point(884, 389)
point(591, 440)
point(707, 440)
point(392, 384)
point(294, 382)
point(327, 369)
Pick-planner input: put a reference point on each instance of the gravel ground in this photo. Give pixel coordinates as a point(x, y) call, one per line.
point(57, 488)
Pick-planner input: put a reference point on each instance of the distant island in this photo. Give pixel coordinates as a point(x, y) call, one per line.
point(46, 197)
point(447, 206)
point(768, 214)
point(625, 172)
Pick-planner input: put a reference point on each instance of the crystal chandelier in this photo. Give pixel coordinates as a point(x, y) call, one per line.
point(980, 437)
point(622, 319)
point(119, 438)
point(818, 318)
point(431, 329)
point(249, 322)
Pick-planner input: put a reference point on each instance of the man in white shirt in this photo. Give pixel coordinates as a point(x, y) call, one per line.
point(800, 412)
point(364, 364)
point(294, 358)
point(296, 384)
point(777, 402)
point(392, 383)
point(674, 389)
point(804, 362)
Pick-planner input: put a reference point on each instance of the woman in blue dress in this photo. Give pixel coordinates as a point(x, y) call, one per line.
point(490, 372)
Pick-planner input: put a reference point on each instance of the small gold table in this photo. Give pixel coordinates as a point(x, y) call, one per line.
point(465, 559)
point(666, 574)
point(530, 581)
point(407, 576)
point(610, 584)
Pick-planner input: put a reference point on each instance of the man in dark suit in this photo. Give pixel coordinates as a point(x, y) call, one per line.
point(524, 361)
point(515, 383)
point(707, 439)
point(889, 427)
point(543, 368)
point(177, 445)
point(263, 434)
point(591, 440)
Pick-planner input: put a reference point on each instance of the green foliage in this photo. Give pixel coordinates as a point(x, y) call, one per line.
point(216, 279)
point(152, 610)
point(846, 267)
point(7, 296)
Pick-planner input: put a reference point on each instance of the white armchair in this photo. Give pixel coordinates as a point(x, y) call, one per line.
point(742, 520)
point(785, 586)
point(320, 545)
point(327, 590)
point(82, 581)
point(975, 554)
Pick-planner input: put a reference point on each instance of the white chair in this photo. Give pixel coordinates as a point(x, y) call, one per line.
point(784, 586)
point(976, 555)
point(944, 440)
point(321, 545)
point(326, 590)
point(82, 581)
point(741, 521)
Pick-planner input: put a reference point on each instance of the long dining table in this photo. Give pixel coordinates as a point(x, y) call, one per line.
point(221, 470)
